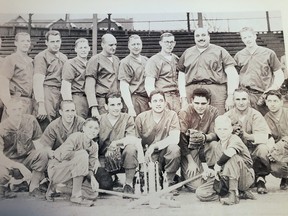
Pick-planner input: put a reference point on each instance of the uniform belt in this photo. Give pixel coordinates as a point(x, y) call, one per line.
point(79, 93)
point(203, 82)
point(172, 92)
point(18, 94)
point(140, 94)
point(253, 91)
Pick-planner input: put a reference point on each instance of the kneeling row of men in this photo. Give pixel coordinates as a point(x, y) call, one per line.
point(197, 140)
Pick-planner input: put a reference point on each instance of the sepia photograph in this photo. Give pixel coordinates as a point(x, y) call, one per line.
point(143, 108)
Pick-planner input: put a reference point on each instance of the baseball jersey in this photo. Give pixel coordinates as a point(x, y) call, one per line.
point(150, 131)
point(256, 70)
point(123, 127)
point(278, 127)
point(206, 66)
point(190, 119)
point(49, 65)
point(74, 73)
point(17, 143)
point(56, 133)
point(75, 142)
point(164, 72)
point(241, 149)
point(253, 123)
point(19, 70)
point(132, 71)
point(105, 72)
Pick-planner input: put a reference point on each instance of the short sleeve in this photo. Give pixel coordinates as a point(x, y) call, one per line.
point(68, 72)
point(151, 68)
point(92, 67)
point(7, 68)
point(130, 126)
point(125, 72)
point(40, 65)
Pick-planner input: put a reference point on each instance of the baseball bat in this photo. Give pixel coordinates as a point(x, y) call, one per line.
point(170, 203)
point(161, 192)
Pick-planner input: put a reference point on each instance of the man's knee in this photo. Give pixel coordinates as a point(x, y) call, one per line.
point(173, 151)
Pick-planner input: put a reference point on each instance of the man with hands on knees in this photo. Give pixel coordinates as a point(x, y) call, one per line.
point(76, 159)
point(197, 130)
point(251, 127)
point(233, 166)
point(159, 129)
point(17, 135)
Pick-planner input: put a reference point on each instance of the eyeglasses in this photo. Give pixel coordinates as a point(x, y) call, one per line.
point(169, 42)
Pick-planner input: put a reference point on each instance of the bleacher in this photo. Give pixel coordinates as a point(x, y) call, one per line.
point(230, 41)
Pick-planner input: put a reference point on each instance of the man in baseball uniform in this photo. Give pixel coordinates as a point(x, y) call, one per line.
point(73, 78)
point(251, 127)
point(259, 69)
point(196, 120)
point(159, 129)
point(101, 75)
point(131, 76)
point(117, 148)
point(208, 66)
point(161, 72)
point(76, 159)
point(16, 74)
point(48, 66)
point(17, 134)
point(277, 119)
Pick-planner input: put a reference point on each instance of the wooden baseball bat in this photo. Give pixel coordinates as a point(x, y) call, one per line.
point(170, 203)
point(161, 192)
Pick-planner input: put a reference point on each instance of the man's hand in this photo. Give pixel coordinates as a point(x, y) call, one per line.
point(95, 112)
point(150, 151)
point(192, 169)
point(131, 112)
point(229, 104)
point(217, 170)
point(207, 173)
point(50, 154)
point(94, 183)
point(271, 158)
point(42, 113)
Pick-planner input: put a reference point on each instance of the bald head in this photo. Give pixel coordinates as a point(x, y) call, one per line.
point(109, 44)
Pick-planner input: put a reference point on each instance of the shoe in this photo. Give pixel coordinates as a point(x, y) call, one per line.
point(127, 190)
point(36, 193)
point(117, 183)
point(284, 184)
point(261, 188)
point(231, 199)
point(81, 201)
point(22, 187)
point(246, 195)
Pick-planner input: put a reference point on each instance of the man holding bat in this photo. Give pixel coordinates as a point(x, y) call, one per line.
point(159, 129)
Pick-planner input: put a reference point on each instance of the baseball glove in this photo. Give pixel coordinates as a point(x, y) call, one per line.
point(196, 139)
point(222, 186)
point(280, 150)
point(261, 100)
point(113, 161)
point(237, 129)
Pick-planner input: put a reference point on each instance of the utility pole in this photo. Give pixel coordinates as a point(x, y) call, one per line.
point(109, 23)
point(188, 21)
point(200, 20)
point(30, 23)
point(94, 34)
point(268, 21)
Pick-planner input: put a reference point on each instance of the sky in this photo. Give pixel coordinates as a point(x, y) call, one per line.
point(224, 21)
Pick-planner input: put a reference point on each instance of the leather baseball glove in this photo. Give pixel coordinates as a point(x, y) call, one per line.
point(196, 139)
point(113, 161)
point(237, 129)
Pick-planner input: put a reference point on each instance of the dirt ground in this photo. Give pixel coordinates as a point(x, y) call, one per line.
point(274, 203)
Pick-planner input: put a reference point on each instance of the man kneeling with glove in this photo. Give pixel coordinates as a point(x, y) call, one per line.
point(197, 128)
